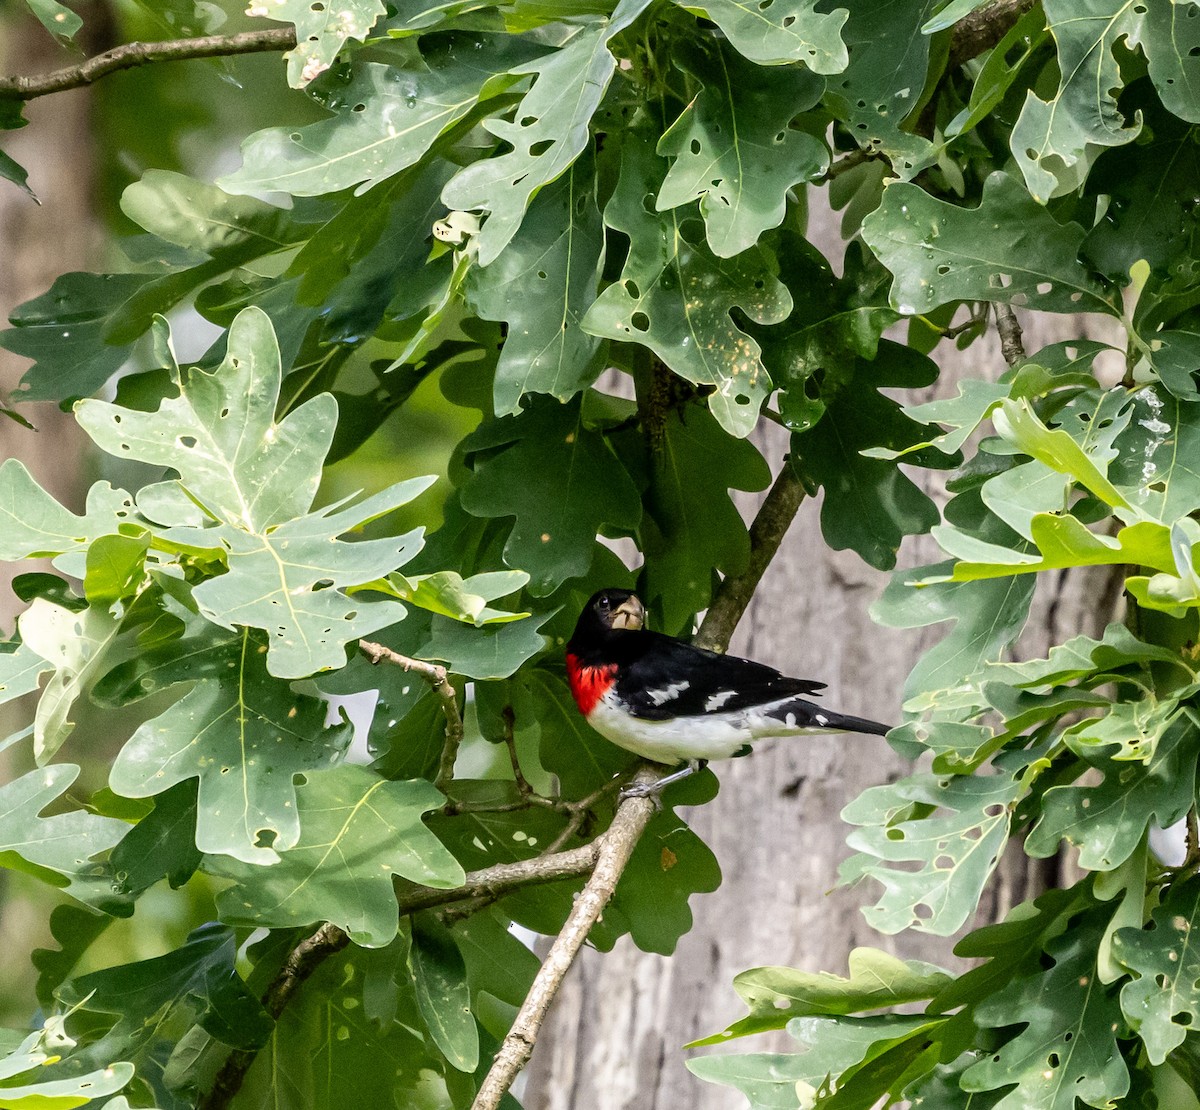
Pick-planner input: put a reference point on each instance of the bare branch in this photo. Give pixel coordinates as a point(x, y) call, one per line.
point(984, 28)
point(774, 518)
point(133, 54)
point(436, 677)
point(616, 846)
point(1012, 345)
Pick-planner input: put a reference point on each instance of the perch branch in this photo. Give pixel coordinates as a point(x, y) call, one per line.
point(1012, 345)
point(436, 677)
point(616, 846)
point(133, 54)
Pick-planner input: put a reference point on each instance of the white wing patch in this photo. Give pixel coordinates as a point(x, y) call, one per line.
point(715, 701)
point(668, 693)
point(821, 719)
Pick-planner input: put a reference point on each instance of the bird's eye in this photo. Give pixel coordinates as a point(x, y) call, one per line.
point(604, 603)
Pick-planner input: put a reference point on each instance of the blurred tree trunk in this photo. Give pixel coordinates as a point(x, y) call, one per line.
point(613, 1039)
point(40, 242)
point(37, 243)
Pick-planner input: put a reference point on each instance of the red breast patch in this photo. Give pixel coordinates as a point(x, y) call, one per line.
point(588, 684)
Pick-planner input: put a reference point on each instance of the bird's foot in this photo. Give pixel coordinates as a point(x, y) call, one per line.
point(654, 789)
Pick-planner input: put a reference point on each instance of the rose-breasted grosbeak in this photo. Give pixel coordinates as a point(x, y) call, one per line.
point(671, 702)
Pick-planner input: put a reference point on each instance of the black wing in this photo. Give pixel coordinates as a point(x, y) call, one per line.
point(663, 678)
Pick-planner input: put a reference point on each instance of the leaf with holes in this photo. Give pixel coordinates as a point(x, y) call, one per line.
point(883, 84)
point(61, 848)
point(1067, 1048)
point(1162, 1001)
point(548, 132)
point(256, 479)
point(779, 31)
point(1106, 822)
point(357, 830)
point(733, 149)
point(677, 298)
point(241, 732)
point(443, 996)
point(322, 29)
point(540, 287)
point(1008, 249)
point(385, 117)
point(1157, 466)
point(580, 487)
point(1056, 141)
point(954, 852)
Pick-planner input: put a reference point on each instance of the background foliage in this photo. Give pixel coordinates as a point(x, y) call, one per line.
point(502, 200)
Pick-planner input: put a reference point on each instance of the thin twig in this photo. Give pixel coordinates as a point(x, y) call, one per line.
point(766, 534)
point(616, 846)
point(1012, 345)
point(509, 719)
point(435, 675)
point(1191, 861)
point(133, 54)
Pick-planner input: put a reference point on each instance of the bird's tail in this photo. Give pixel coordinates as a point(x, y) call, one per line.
point(847, 723)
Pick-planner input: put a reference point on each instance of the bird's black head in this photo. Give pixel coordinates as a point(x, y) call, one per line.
point(606, 612)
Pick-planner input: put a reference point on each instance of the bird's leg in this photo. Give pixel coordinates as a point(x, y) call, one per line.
point(648, 790)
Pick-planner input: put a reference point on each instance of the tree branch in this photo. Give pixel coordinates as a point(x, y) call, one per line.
point(436, 677)
point(616, 846)
point(983, 28)
point(133, 54)
point(1012, 345)
point(774, 518)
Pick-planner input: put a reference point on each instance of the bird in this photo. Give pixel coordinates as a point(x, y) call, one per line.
point(674, 703)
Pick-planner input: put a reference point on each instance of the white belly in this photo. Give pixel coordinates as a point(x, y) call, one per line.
point(714, 736)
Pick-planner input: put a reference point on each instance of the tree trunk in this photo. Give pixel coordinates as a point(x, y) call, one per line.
point(775, 825)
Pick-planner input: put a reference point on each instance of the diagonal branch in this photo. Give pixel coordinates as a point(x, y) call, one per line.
point(133, 54)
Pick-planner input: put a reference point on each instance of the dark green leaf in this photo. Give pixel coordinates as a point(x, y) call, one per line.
point(440, 978)
point(161, 845)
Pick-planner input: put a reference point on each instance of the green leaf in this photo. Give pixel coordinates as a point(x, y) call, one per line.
point(869, 504)
point(17, 174)
point(779, 1081)
point(540, 287)
point(78, 646)
point(884, 83)
point(357, 830)
point(161, 845)
point(1158, 462)
point(64, 332)
point(486, 653)
point(962, 413)
point(60, 21)
point(440, 978)
point(777, 995)
point(1063, 542)
point(1169, 38)
point(675, 297)
point(933, 868)
point(1055, 141)
point(733, 149)
point(497, 962)
point(1007, 247)
point(157, 1001)
point(321, 31)
point(242, 733)
point(256, 478)
point(1107, 821)
point(1068, 1048)
point(386, 117)
point(21, 669)
point(988, 617)
point(60, 849)
point(448, 594)
point(34, 525)
point(561, 481)
point(29, 1075)
point(785, 31)
point(1162, 1001)
point(549, 132)
point(691, 525)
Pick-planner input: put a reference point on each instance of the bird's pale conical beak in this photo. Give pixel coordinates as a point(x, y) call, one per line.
point(629, 615)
